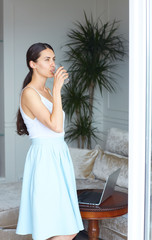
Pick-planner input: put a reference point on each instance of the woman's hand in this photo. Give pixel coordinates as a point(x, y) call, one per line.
point(59, 77)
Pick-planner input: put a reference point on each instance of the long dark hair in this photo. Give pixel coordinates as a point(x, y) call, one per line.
point(32, 54)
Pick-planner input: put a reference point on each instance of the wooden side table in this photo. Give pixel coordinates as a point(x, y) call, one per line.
point(114, 206)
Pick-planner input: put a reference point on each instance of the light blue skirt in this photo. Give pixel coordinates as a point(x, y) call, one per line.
point(49, 205)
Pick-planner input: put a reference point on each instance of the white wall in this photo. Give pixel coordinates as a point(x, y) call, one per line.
point(2, 170)
point(26, 22)
point(115, 109)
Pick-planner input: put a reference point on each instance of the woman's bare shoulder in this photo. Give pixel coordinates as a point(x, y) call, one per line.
point(29, 93)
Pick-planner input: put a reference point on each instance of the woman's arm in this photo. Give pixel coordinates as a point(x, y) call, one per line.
point(33, 106)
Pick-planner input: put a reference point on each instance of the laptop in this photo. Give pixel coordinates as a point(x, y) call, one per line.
point(96, 198)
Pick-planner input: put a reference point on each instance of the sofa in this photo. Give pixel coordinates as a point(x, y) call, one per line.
point(92, 167)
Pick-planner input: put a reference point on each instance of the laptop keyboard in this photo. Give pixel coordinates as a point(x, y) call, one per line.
point(89, 197)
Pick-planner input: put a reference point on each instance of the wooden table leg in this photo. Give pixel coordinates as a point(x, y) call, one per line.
point(93, 229)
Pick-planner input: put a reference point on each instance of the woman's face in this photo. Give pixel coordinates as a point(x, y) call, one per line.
point(45, 64)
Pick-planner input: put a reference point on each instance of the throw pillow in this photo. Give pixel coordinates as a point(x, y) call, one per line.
point(117, 142)
point(107, 164)
point(83, 161)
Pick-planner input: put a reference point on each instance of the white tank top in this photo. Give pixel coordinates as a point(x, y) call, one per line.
point(35, 128)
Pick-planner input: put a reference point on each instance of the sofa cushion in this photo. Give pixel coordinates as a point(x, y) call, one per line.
point(9, 204)
point(117, 142)
point(83, 161)
point(107, 164)
point(10, 234)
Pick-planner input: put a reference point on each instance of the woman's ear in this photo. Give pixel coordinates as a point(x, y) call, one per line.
point(32, 64)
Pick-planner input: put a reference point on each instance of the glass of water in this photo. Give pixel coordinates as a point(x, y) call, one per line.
point(56, 67)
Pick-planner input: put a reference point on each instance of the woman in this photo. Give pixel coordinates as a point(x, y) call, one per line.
point(49, 207)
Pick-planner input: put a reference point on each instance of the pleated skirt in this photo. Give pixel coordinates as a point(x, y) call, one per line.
point(49, 205)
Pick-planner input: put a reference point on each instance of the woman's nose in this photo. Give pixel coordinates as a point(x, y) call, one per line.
point(52, 64)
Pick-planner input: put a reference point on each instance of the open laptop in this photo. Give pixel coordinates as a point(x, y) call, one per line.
point(96, 198)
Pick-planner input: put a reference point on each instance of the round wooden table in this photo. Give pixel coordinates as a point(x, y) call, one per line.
point(114, 206)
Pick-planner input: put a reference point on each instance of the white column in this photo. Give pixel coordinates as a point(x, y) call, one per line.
point(137, 110)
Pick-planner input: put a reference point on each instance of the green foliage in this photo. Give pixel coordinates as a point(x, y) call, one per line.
point(82, 130)
point(93, 48)
point(75, 100)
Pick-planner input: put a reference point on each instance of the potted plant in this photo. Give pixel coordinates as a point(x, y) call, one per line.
point(93, 50)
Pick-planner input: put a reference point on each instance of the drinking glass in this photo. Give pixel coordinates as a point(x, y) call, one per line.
point(56, 67)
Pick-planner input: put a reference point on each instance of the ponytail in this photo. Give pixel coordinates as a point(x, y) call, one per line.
point(21, 127)
point(28, 79)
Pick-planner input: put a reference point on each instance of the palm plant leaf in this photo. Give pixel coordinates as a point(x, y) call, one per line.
point(75, 99)
point(82, 128)
point(99, 73)
point(92, 47)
